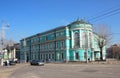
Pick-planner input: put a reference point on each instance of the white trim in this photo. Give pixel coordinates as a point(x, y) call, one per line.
point(72, 40)
point(80, 38)
point(61, 30)
point(88, 40)
point(81, 29)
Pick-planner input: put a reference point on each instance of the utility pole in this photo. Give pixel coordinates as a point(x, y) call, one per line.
point(3, 37)
point(86, 42)
point(3, 33)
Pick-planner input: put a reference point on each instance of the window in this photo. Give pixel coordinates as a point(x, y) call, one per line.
point(49, 56)
point(46, 46)
point(41, 56)
point(85, 55)
point(62, 44)
point(52, 36)
point(62, 55)
point(77, 55)
point(51, 45)
point(52, 56)
point(46, 38)
point(46, 57)
point(83, 40)
point(76, 40)
point(90, 40)
point(56, 44)
point(62, 33)
point(57, 34)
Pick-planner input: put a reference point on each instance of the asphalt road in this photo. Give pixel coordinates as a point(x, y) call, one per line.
point(67, 71)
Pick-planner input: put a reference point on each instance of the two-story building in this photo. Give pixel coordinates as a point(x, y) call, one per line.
point(74, 42)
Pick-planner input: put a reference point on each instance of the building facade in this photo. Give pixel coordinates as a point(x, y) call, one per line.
point(11, 53)
point(74, 42)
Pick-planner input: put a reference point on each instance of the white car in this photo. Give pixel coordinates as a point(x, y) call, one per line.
point(37, 62)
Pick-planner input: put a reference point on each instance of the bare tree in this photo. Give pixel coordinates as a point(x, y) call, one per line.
point(8, 45)
point(9, 42)
point(114, 51)
point(103, 37)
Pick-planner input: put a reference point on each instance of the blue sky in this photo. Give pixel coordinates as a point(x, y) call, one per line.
point(28, 17)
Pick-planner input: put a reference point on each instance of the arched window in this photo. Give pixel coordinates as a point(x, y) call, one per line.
point(83, 40)
point(76, 40)
point(90, 40)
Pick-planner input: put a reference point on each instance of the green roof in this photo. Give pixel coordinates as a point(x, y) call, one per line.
point(78, 21)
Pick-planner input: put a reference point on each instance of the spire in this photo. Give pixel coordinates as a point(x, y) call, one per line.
point(78, 19)
point(83, 20)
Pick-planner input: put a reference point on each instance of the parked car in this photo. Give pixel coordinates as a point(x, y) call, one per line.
point(12, 63)
point(37, 62)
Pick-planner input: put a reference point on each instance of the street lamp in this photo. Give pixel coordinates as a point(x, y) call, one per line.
point(3, 38)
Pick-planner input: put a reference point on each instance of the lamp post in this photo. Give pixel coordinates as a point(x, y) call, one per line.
point(3, 38)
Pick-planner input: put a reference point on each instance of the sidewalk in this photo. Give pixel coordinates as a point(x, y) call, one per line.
point(5, 71)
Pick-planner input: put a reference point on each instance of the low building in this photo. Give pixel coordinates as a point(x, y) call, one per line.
point(74, 42)
point(13, 52)
point(10, 53)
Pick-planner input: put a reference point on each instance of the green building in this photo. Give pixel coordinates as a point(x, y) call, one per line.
point(74, 42)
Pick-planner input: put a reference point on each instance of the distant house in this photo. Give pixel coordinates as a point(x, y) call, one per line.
point(12, 52)
point(73, 42)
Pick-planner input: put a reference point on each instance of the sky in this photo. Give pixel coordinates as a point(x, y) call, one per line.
point(29, 17)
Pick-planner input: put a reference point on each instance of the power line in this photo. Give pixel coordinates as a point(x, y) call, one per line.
point(116, 33)
point(103, 11)
point(105, 16)
point(109, 13)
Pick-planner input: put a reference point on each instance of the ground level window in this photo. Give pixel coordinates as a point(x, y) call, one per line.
point(41, 56)
point(52, 56)
point(77, 55)
point(62, 55)
point(49, 56)
point(85, 55)
point(46, 57)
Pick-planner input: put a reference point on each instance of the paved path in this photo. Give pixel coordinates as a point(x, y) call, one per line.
point(68, 71)
point(5, 71)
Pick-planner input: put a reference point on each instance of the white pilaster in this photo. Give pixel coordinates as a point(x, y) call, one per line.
point(80, 39)
point(14, 53)
point(88, 39)
point(72, 41)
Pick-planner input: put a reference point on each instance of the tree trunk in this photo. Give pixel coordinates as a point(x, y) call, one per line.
point(101, 54)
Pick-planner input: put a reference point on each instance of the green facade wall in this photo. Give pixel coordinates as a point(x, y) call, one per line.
point(65, 43)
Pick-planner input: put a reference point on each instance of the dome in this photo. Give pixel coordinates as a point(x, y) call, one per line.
point(78, 21)
point(79, 24)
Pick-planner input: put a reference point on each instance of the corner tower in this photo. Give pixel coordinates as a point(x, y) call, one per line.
point(81, 39)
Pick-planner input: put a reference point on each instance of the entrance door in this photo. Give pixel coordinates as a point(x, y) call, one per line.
point(96, 55)
point(46, 57)
point(77, 55)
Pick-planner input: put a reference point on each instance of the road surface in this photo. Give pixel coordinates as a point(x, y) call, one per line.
point(68, 71)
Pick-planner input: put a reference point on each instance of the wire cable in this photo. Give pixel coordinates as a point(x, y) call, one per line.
point(102, 15)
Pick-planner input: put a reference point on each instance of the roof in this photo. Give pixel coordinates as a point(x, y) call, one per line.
point(16, 46)
point(78, 21)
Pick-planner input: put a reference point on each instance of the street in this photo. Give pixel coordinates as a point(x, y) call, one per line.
point(67, 71)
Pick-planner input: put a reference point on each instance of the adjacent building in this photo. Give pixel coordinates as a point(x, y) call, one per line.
point(73, 42)
point(10, 53)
